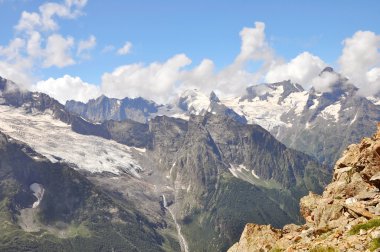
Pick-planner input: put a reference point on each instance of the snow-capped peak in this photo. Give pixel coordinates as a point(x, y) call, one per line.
point(194, 101)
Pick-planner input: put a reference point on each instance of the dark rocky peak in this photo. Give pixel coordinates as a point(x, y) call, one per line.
point(263, 91)
point(8, 86)
point(100, 100)
point(341, 89)
point(105, 108)
point(328, 70)
point(147, 106)
point(288, 86)
point(214, 97)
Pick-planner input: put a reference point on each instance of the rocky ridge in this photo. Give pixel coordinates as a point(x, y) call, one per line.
point(344, 218)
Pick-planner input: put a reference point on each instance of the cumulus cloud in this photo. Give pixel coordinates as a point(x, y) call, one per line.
point(254, 45)
point(302, 70)
point(19, 73)
point(126, 49)
point(41, 45)
point(160, 81)
point(155, 81)
point(57, 52)
point(45, 18)
point(37, 42)
point(67, 88)
point(360, 61)
point(324, 81)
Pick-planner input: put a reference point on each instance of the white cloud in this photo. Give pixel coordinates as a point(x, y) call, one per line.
point(324, 81)
point(33, 48)
point(125, 49)
point(67, 88)
point(160, 81)
point(38, 44)
point(302, 69)
point(18, 73)
point(156, 81)
point(360, 61)
point(45, 19)
point(57, 51)
point(254, 45)
point(12, 51)
point(28, 21)
point(85, 45)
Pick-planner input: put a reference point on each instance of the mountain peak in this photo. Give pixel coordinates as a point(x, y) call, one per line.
point(328, 70)
point(214, 97)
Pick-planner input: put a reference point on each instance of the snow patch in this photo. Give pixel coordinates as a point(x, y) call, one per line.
point(374, 100)
point(315, 104)
point(142, 150)
point(353, 120)
point(255, 175)
point(233, 172)
point(197, 102)
point(38, 192)
point(331, 111)
point(267, 113)
point(56, 141)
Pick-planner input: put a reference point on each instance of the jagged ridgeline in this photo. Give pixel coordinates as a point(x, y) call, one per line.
point(215, 172)
point(346, 217)
point(225, 172)
point(319, 123)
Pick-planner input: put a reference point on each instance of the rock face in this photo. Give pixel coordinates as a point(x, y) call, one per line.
point(104, 108)
point(344, 218)
point(225, 172)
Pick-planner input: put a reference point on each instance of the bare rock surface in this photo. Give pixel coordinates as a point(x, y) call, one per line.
point(346, 217)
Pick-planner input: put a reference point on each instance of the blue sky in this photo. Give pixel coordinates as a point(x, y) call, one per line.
point(158, 30)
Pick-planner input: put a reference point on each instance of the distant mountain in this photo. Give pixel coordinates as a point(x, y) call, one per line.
point(190, 102)
point(200, 179)
point(320, 124)
point(104, 108)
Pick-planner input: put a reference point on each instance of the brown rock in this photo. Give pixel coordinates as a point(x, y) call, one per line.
point(351, 198)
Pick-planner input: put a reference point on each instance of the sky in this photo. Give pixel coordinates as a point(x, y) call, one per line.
point(80, 49)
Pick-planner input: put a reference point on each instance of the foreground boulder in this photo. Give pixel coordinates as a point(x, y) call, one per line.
point(346, 217)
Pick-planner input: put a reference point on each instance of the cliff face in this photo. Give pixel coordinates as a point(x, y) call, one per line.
point(346, 217)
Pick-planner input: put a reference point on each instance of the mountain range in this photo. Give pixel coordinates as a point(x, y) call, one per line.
point(317, 123)
point(187, 176)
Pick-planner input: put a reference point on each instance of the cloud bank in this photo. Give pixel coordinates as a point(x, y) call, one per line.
point(38, 44)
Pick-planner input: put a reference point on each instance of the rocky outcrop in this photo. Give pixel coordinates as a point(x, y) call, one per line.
point(104, 108)
point(344, 218)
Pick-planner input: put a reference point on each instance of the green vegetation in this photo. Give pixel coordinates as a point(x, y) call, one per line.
point(73, 215)
point(365, 226)
point(323, 249)
point(228, 214)
point(276, 250)
point(374, 244)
